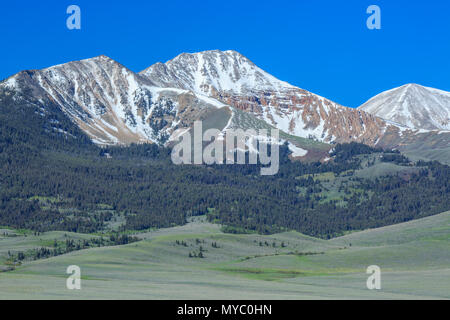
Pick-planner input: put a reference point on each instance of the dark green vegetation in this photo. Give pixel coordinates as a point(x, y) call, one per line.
point(53, 178)
point(57, 247)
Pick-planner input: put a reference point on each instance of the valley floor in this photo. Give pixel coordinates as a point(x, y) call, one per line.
point(414, 258)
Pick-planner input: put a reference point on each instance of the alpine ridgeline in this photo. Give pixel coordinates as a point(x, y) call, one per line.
point(110, 103)
point(233, 79)
point(114, 105)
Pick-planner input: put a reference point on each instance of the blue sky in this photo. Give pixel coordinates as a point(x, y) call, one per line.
point(322, 46)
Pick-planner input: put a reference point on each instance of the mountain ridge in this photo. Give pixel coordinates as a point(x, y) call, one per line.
point(233, 79)
point(115, 105)
point(110, 102)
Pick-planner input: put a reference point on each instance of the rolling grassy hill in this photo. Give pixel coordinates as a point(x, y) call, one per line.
point(414, 258)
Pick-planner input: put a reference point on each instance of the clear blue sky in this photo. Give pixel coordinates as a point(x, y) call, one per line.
point(322, 46)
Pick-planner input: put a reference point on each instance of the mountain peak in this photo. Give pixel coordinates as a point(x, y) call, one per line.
point(412, 105)
point(101, 59)
point(211, 52)
point(412, 85)
point(99, 64)
point(213, 71)
point(235, 80)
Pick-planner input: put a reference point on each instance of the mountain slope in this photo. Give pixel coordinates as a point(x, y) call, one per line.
point(27, 128)
point(233, 79)
point(112, 104)
point(413, 106)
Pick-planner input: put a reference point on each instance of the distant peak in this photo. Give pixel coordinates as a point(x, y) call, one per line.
point(412, 85)
point(211, 52)
point(233, 52)
point(227, 52)
point(412, 105)
point(104, 60)
point(416, 88)
point(101, 58)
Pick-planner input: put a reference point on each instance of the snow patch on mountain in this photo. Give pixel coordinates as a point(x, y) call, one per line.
point(296, 151)
point(10, 83)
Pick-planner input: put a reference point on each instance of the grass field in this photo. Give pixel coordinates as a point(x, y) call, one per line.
point(414, 258)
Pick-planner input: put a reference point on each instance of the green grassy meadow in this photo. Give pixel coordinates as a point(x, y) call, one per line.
point(414, 258)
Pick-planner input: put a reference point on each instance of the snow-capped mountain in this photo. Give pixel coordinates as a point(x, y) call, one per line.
point(233, 79)
point(213, 71)
point(112, 104)
point(413, 106)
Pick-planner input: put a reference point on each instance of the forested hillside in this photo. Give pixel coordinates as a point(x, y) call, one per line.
point(53, 178)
